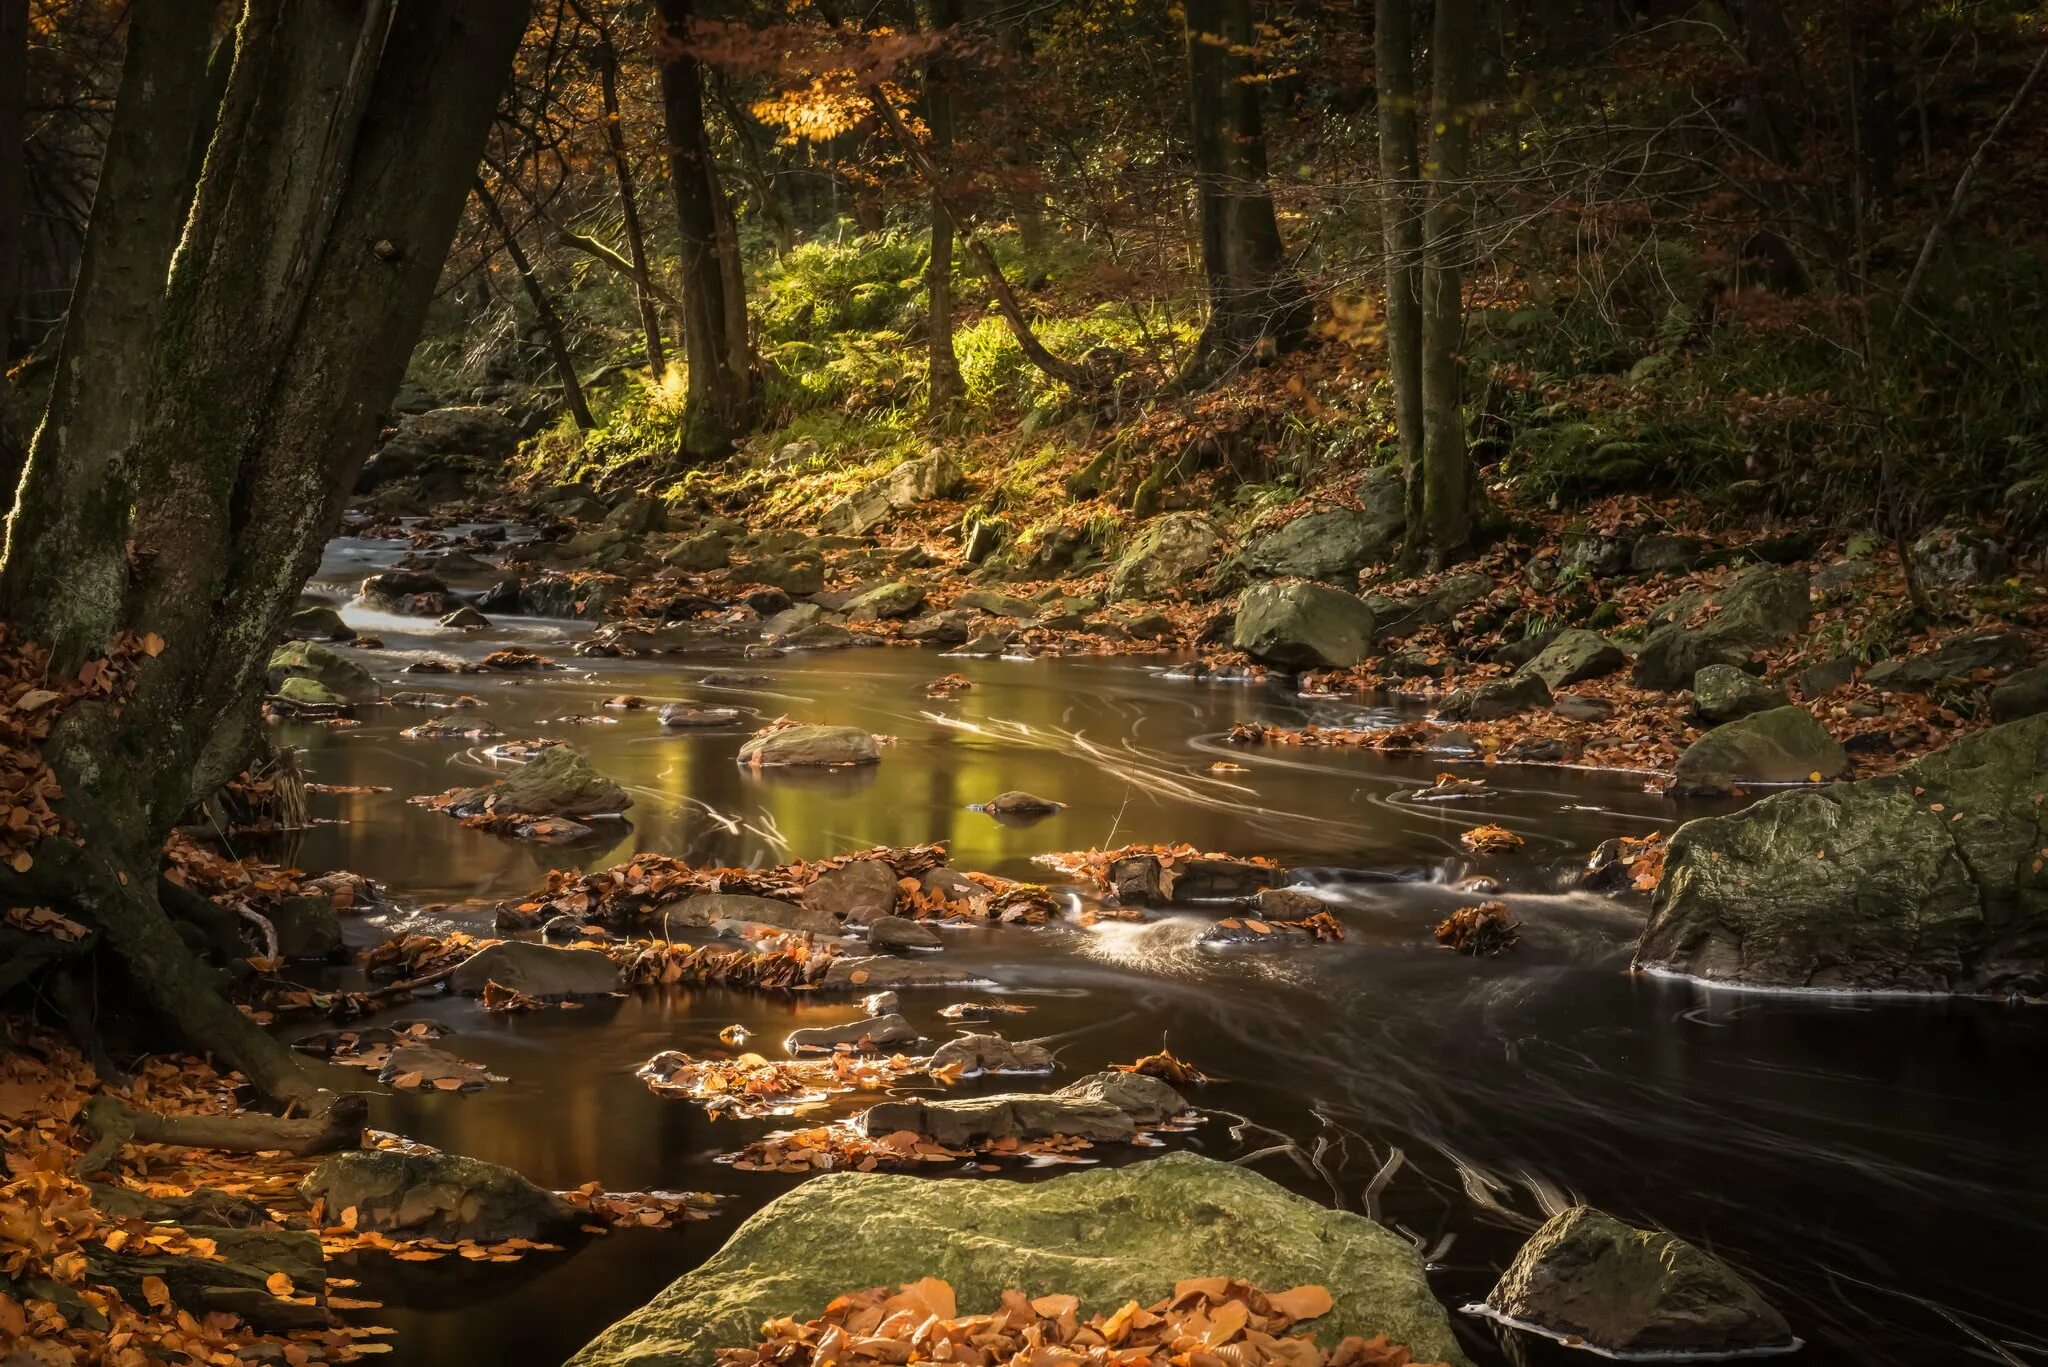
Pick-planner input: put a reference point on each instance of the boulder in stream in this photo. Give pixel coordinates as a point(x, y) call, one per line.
point(335, 673)
point(1303, 626)
point(887, 933)
point(319, 622)
point(883, 1032)
point(557, 781)
point(857, 891)
point(1594, 1282)
point(811, 747)
point(1101, 1106)
point(1107, 1236)
point(712, 908)
point(681, 716)
point(889, 973)
point(436, 1196)
point(537, 970)
point(976, 1054)
point(1929, 879)
point(1783, 745)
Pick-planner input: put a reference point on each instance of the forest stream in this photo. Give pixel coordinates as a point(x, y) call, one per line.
point(1872, 1164)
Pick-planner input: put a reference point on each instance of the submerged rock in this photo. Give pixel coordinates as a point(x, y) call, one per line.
point(899, 932)
point(682, 716)
point(1303, 626)
point(1172, 550)
point(1926, 879)
point(1783, 745)
point(811, 746)
point(537, 970)
point(1144, 880)
point(436, 1196)
point(1106, 1236)
point(889, 973)
point(1587, 1277)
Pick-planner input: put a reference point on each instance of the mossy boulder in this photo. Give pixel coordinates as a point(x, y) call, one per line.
point(709, 549)
point(1106, 1236)
point(1496, 698)
point(1616, 1289)
point(811, 747)
point(1760, 608)
point(2025, 694)
point(1172, 551)
point(319, 622)
point(1574, 656)
point(337, 675)
point(1331, 544)
point(1955, 659)
point(898, 599)
point(558, 781)
point(1723, 693)
point(436, 1196)
point(1929, 879)
point(537, 970)
point(1303, 626)
point(1782, 745)
point(935, 476)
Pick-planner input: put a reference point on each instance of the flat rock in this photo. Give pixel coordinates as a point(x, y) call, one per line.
point(1102, 1106)
point(883, 1032)
point(436, 1196)
point(537, 970)
point(857, 891)
point(890, 973)
point(680, 716)
point(898, 932)
point(977, 1053)
point(1107, 1236)
point(558, 781)
point(710, 908)
point(1616, 1289)
point(1143, 880)
point(1574, 656)
point(335, 673)
point(811, 746)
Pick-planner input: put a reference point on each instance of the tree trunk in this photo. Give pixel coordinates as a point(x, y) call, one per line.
point(721, 401)
point(629, 197)
point(1401, 222)
point(1258, 306)
point(543, 310)
point(225, 373)
point(1447, 461)
point(746, 131)
point(943, 383)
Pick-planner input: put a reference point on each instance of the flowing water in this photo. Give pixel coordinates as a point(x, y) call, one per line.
point(1876, 1166)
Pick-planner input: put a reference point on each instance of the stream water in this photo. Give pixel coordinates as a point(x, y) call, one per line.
point(1875, 1166)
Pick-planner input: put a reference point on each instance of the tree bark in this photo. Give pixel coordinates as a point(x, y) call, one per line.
point(223, 378)
point(943, 373)
point(720, 401)
point(1258, 306)
point(1447, 461)
point(543, 309)
point(746, 131)
point(1401, 224)
point(629, 198)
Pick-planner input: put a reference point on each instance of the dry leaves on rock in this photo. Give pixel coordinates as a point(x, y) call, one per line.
point(961, 1011)
point(842, 1147)
point(1166, 1066)
point(787, 963)
point(948, 686)
point(1093, 866)
point(1486, 929)
point(1490, 839)
point(1322, 927)
point(639, 1209)
point(751, 1086)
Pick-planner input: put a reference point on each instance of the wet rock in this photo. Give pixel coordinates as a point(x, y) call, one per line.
point(318, 622)
point(338, 675)
point(1659, 553)
point(1588, 1278)
point(2025, 694)
point(712, 908)
point(817, 636)
point(463, 619)
point(1922, 880)
point(899, 599)
point(996, 603)
point(1960, 557)
point(503, 596)
point(685, 716)
point(1303, 626)
point(889, 933)
point(857, 891)
point(1760, 608)
point(309, 693)
point(934, 476)
point(424, 1066)
point(1496, 698)
point(700, 552)
point(1723, 693)
point(1102, 1106)
point(1144, 880)
point(1817, 681)
point(537, 970)
point(1172, 550)
point(558, 781)
point(1955, 659)
point(1015, 803)
point(811, 746)
point(1783, 745)
point(728, 679)
point(800, 573)
point(949, 628)
point(424, 441)
point(976, 1054)
point(1331, 544)
point(307, 928)
point(890, 972)
point(1573, 657)
point(638, 515)
point(1109, 1236)
point(880, 1004)
point(1581, 707)
point(409, 591)
point(436, 1196)
point(887, 1031)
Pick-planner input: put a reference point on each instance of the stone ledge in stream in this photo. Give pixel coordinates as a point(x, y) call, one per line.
point(1107, 1236)
point(887, 972)
point(1101, 1106)
point(1927, 880)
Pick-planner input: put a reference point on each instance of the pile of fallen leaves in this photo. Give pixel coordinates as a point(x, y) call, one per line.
point(1206, 1322)
point(843, 1147)
point(1093, 866)
point(419, 955)
point(750, 1085)
point(1485, 929)
point(633, 893)
point(1166, 1066)
point(1321, 927)
point(1490, 839)
point(788, 964)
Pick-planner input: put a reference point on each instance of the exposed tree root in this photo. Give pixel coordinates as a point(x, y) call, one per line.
point(112, 1123)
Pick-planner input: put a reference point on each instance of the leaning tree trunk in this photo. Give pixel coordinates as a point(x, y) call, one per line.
point(222, 379)
point(1447, 460)
point(720, 401)
point(943, 382)
point(1258, 306)
point(629, 194)
point(1401, 232)
point(544, 313)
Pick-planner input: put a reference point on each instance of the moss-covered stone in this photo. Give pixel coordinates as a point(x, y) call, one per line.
point(558, 781)
point(346, 680)
point(1171, 551)
point(1781, 745)
point(811, 746)
point(1105, 1236)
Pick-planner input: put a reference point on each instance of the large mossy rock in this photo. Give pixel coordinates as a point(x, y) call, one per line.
point(1760, 608)
point(1782, 745)
point(1107, 1236)
point(1330, 543)
point(1723, 693)
point(1929, 879)
point(811, 747)
point(1171, 551)
point(558, 781)
point(1955, 659)
point(1303, 626)
point(338, 675)
point(917, 481)
point(233, 1280)
point(1574, 656)
point(1620, 1290)
point(436, 1196)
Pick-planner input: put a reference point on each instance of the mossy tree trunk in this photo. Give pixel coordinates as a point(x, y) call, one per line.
point(721, 399)
point(1258, 306)
point(1447, 486)
point(231, 348)
point(1401, 229)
